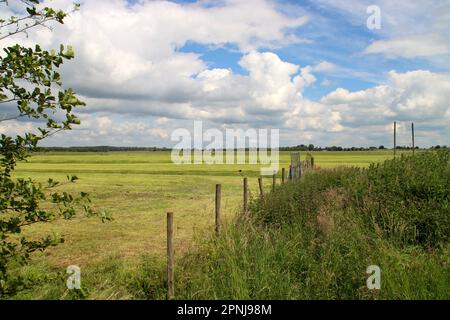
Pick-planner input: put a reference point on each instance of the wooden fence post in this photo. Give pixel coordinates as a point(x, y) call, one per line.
point(290, 172)
point(170, 256)
point(395, 137)
point(245, 194)
point(300, 170)
point(312, 162)
point(261, 189)
point(274, 181)
point(283, 175)
point(218, 201)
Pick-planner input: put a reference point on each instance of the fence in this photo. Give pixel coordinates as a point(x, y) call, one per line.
point(297, 170)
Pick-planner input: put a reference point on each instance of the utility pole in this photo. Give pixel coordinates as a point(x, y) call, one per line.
point(412, 136)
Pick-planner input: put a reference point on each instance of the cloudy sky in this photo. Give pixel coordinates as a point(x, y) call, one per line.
point(313, 69)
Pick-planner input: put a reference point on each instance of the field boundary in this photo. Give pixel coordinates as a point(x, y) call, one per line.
point(295, 174)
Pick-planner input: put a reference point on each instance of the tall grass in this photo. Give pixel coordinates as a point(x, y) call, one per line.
point(314, 239)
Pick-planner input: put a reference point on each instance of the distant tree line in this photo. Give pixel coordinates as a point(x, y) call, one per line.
point(100, 149)
point(301, 147)
point(311, 147)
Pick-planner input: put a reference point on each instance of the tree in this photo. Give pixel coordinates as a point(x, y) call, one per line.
point(311, 147)
point(31, 85)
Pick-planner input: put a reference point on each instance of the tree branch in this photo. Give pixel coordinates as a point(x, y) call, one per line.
point(24, 29)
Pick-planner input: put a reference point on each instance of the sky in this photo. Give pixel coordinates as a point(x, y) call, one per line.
point(312, 69)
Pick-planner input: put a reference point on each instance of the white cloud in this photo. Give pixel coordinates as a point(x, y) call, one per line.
point(162, 121)
point(14, 127)
point(125, 50)
point(420, 96)
point(312, 116)
point(138, 85)
point(324, 66)
point(411, 46)
point(270, 83)
point(409, 29)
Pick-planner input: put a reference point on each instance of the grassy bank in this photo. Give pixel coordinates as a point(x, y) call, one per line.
point(315, 239)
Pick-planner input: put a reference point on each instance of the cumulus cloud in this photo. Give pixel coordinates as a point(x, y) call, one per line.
point(133, 50)
point(139, 85)
point(416, 95)
point(128, 57)
point(13, 128)
point(420, 96)
point(272, 85)
point(107, 129)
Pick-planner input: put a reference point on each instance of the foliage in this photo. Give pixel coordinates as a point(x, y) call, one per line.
point(314, 239)
point(407, 198)
point(30, 79)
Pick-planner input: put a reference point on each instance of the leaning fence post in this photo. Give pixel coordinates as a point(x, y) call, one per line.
point(218, 200)
point(283, 175)
point(170, 256)
point(261, 189)
point(290, 172)
point(245, 194)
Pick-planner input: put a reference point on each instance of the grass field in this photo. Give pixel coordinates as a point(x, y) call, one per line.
point(137, 188)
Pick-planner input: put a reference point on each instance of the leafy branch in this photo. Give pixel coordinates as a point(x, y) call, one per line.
point(34, 17)
point(29, 77)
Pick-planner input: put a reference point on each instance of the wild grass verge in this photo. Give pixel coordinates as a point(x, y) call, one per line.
point(315, 239)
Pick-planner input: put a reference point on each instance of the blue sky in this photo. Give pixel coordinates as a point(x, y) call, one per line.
point(334, 38)
point(313, 69)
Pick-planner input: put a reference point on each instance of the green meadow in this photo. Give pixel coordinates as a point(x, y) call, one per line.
point(137, 189)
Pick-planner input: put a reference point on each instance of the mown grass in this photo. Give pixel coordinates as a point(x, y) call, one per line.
point(124, 259)
point(315, 239)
